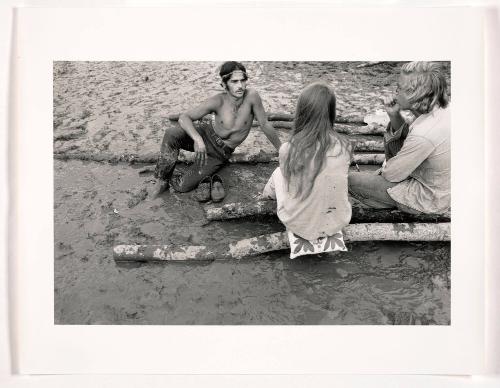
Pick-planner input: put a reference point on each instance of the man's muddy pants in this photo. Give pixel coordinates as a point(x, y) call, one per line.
point(175, 138)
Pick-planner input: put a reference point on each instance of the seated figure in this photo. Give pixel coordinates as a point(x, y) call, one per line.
point(310, 184)
point(416, 175)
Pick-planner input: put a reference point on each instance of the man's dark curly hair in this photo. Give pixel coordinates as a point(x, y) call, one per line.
point(227, 69)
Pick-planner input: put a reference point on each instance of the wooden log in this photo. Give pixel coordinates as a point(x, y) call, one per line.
point(359, 214)
point(369, 64)
point(366, 143)
point(413, 231)
point(266, 157)
point(278, 241)
point(348, 129)
point(368, 158)
point(360, 129)
point(276, 116)
point(262, 157)
point(280, 117)
point(107, 157)
point(270, 116)
point(277, 124)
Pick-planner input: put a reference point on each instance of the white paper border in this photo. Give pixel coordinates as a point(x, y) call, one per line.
point(45, 35)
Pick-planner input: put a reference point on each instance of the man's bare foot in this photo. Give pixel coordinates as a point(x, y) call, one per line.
point(159, 187)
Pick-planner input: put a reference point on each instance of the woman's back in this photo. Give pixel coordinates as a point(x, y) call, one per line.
point(326, 210)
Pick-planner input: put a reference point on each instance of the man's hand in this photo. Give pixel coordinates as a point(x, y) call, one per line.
point(200, 150)
point(391, 105)
point(393, 109)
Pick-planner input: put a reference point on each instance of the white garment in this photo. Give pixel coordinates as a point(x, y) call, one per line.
point(326, 210)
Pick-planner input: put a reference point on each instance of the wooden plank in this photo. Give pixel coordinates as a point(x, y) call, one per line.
point(359, 214)
point(278, 241)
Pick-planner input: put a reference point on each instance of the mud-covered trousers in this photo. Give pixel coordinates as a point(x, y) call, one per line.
point(175, 138)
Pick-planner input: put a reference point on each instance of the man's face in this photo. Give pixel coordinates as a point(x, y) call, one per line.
point(237, 84)
point(401, 96)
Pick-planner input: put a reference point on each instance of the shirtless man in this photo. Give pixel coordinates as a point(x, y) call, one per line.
point(213, 139)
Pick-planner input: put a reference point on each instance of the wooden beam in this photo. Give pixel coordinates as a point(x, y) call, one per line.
point(279, 241)
point(359, 214)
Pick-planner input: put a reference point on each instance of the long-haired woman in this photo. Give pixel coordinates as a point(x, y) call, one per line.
point(310, 185)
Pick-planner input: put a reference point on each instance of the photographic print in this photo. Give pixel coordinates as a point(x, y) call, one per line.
point(252, 193)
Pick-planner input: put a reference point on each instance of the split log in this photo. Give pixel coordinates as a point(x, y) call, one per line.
point(359, 214)
point(278, 241)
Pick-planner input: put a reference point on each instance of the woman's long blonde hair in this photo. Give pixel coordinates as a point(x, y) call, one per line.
point(312, 137)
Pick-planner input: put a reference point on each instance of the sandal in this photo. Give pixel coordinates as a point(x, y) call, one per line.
point(202, 193)
point(218, 192)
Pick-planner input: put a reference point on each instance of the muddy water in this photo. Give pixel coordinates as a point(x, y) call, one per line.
point(99, 205)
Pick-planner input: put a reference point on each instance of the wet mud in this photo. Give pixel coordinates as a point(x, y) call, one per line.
point(99, 205)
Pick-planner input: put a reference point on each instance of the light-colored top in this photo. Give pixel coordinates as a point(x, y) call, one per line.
point(327, 209)
point(423, 165)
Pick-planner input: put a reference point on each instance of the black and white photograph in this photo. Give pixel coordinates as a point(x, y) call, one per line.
point(252, 192)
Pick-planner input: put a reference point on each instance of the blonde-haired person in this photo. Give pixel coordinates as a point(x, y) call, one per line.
point(310, 184)
point(416, 175)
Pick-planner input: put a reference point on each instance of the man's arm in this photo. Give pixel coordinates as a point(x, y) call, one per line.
point(260, 115)
point(186, 122)
point(415, 150)
point(394, 112)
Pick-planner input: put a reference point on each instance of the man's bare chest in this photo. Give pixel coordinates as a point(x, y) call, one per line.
point(235, 117)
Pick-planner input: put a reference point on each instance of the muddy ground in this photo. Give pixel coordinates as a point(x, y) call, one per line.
point(120, 108)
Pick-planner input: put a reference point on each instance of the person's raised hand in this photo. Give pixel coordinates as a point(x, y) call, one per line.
point(200, 153)
point(391, 105)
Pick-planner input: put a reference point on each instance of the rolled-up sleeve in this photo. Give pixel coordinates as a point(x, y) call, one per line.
point(414, 151)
